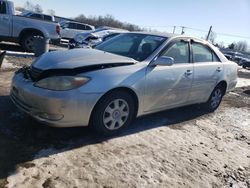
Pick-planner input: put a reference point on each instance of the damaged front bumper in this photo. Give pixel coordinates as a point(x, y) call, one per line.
point(55, 108)
point(73, 44)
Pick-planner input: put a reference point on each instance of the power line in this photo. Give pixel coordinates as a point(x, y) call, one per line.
point(196, 29)
point(230, 35)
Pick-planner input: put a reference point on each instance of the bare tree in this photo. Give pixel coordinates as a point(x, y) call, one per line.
point(51, 12)
point(107, 20)
point(29, 6)
point(242, 46)
point(38, 8)
point(232, 46)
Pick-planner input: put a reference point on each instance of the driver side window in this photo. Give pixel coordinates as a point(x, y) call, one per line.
point(179, 51)
point(2, 7)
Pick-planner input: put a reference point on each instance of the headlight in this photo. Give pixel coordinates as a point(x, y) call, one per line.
point(62, 83)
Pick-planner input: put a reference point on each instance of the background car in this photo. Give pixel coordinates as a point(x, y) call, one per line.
point(69, 29)
point(102, 34)
point(35, 15)
point(130, 75)
point(245, 63)
point(229, 57)
point(23, 30)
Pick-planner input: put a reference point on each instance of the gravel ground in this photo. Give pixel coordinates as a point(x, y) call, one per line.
point(177, 148)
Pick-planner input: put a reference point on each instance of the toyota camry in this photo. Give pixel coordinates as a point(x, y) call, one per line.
point(130, 75)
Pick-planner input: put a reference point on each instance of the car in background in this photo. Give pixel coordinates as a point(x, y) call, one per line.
point(235, 56)
point(23, 30)
point(229, 57)
point(130, 75)
point(245, 63)
point(39, 16)
point(100, 35)
point(69, 29)
point(238, 60)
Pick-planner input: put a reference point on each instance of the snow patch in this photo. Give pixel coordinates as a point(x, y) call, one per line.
point(243, 82)
point(7, 65)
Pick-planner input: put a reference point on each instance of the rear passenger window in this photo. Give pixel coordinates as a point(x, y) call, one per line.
point(2, 7)
point(72, 26)
point(38, 16)
point(88, 28)
point(48, 18)
point(81, 27)
point(215, 58)
point(202, 53)
point(179, 51)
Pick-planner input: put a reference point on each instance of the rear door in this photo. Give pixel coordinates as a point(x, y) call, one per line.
point(207, 72)
point(69, 30)
point(169, 86)
point(5, 20)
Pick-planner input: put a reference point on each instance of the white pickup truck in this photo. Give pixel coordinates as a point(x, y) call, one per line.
point(22, 30)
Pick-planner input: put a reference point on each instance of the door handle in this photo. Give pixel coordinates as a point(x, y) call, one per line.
point(188, 72)
point(219, 69)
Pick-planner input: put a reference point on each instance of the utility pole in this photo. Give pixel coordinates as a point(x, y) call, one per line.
point(209, 32)
point(182, 32)
point(174, 29)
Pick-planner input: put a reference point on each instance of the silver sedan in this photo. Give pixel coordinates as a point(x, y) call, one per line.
point(129, 76)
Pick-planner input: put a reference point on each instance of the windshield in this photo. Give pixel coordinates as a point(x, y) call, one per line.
point(133, 45)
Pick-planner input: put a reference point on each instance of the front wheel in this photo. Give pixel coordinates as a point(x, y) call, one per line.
point(113, 113)
point(215, 99)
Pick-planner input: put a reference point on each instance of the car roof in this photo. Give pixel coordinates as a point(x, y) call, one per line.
point(171, 35)
point(31, 12)
point(76, 23)
point(168, 35)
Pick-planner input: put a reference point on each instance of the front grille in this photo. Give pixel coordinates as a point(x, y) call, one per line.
point(35, 73)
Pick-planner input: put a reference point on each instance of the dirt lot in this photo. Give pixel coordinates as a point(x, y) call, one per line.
point(177, 148)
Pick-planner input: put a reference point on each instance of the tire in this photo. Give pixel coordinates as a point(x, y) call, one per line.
point(215, 99)
point(113, 113)
point(244, 67)
point(28, 41)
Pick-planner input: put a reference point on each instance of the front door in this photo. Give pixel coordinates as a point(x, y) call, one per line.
point(169, 86)
point(5, 20)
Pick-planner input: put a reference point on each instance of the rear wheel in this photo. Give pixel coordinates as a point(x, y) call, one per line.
point(113, 113)
point(215, 99)
point(244, 66)
point(28, 42)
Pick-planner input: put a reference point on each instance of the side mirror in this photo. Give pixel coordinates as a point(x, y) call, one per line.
point(164, 61)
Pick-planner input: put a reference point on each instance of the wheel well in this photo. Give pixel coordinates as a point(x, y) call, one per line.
point(223, 84)
point(124, 89)
point(28, 32)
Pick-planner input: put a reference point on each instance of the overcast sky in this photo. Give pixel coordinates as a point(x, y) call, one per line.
point(226, 16)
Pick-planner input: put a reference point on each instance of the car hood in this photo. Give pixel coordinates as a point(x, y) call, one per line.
point(71, 59)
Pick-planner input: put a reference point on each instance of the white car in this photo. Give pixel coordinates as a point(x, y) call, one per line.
point(70, 29)
point(39, 16)
point(102, 34)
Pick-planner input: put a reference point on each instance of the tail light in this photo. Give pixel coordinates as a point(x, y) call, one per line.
point(58, 29)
